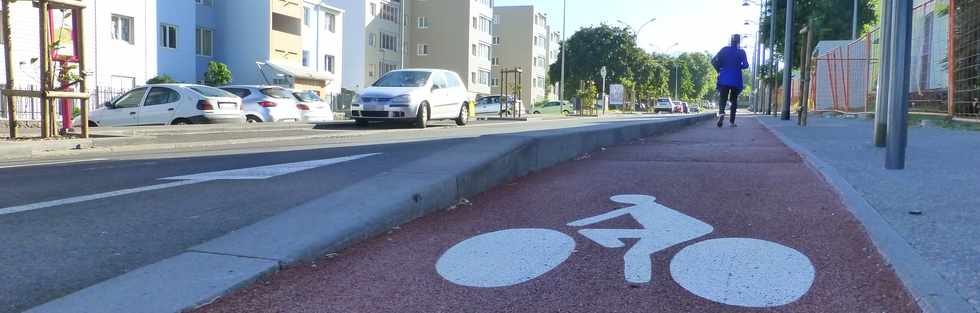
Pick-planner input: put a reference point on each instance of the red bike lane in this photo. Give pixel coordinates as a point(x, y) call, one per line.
point(738, 224)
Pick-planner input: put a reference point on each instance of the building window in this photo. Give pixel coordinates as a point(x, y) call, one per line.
point(495, 61)
point(330, 22)
point(205, 42)
point(488, 3)
point(484, 51)
point(475, 51)
point(423, 49)
point(205, 2)
point(485, 24)
point(473, 77)
point(423, 22)
point(476, 23)
point(496, 20)
point(168, 36)
point(371, 39)
point(495, 82)
point(389, 42)
point(328, 61)
point(484, 77)
point(306, 16)
point(374, 9)
point(387, 67)
point(306, 58)
point(122, 28)
point(496, 40)
point(389, 12)
point(286, 24)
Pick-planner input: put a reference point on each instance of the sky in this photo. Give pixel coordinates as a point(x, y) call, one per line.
point(696, 25)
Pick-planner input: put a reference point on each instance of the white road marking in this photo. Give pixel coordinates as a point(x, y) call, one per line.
point(743, 272)
point(51, 163)
point(504, 258)
point(72, 200)
point(253, 173)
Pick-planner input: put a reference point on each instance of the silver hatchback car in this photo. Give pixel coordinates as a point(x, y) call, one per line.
point(267, 104)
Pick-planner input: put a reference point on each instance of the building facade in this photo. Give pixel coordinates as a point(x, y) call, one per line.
point(454, 35)
point(374, 40)
point(119, 47)
point(323, 30)
point(523, 40)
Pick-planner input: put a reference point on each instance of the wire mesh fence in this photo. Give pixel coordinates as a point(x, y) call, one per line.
point(966, 73)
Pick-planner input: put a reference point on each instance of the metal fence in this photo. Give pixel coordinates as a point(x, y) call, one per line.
point(845, 77)
point(966, 56)
point(29, 109)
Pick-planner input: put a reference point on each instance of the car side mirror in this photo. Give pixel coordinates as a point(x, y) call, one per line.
point(435, 87)
point(109, 105)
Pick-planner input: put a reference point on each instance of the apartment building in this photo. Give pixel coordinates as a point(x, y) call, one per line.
point(119, 46)
point(554, 51)
point(454, 35)
point(276, 42)
point(522, 40)
point(374, 40)
point(323, 30)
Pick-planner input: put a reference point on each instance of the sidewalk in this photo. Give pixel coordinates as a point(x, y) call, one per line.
point(942, 182)
point(736, 220)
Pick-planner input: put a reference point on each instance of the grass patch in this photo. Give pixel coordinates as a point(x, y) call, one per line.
point(943, 122)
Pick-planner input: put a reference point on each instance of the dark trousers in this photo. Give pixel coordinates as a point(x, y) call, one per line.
point(728, 94)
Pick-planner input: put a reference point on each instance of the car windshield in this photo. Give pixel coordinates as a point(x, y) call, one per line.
point(403, 79)
point(276, 92)
point(211, 91)
point(307, 96)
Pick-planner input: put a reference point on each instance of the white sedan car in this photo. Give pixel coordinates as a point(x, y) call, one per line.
point(416, 95)
point(312, 108)
point(169, 104)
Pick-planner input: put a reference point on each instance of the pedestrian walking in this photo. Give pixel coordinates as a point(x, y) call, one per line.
point(729, 62)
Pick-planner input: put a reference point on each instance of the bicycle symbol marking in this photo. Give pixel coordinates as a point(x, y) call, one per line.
point(736, 271)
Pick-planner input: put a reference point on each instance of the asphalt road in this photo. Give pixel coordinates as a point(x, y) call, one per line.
point(53, 250)
point(738, 224)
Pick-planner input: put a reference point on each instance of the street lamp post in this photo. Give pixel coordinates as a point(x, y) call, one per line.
point(564, 46)
point(788, 61)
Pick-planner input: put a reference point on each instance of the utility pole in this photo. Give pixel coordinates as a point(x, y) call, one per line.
point(772, 57)
point(885, 77)
point(564, 46)
point(788, 60)
point(899, 106)
point(854, 24)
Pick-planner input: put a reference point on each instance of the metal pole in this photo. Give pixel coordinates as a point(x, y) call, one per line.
point(884, 77)
point(788, 60)
point(772, 57)
point(854, 23)
point(8, 68)
point(755, 63)
point(899, 108)
point(564, 46)
point(677, 81)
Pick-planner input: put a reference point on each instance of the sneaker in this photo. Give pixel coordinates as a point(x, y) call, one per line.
point(721, 121)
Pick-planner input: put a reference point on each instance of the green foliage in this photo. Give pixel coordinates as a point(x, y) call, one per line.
point(832, 21)
point(218, 74)
point(161, 79)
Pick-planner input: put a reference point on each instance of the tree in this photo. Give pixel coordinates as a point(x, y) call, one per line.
point(832, 20)
point(218, 74)
point(161, 79)
point(589, 49)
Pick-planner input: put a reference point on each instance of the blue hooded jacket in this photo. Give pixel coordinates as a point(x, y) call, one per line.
point(729, 62)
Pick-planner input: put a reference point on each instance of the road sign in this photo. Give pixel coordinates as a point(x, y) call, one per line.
point(617, 94)
point(603, 72)
point(252, 173)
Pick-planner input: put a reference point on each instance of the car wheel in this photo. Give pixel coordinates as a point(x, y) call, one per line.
point(360, 122)
point(422, 118)
point(536, 112)
point(92, 124)
point(464, 115)
point(566, 113)
point(180, 121)
point(252, 119)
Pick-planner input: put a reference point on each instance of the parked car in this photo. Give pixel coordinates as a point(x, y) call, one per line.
point(417, 95)
point(312, 108)
point(168, 104)
point(680, 107)
point(491, 104)
point(663, 105)
point(554, 108)
point(266, 104)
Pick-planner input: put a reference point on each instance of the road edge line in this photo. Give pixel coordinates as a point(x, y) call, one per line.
point(929, 289)
point(436, 189)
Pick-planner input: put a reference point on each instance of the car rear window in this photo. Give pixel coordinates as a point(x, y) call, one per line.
point(277, 93)
point(210, 91)
point(307, 96)
point(240, 92)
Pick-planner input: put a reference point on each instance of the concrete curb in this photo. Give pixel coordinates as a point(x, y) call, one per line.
point(361, 211)
point(931, 291)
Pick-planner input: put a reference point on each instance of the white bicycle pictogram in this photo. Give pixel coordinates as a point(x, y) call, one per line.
point(735, 271)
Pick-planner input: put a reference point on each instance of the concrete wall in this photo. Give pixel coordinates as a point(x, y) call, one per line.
point(240, 45)
point(178, 62)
